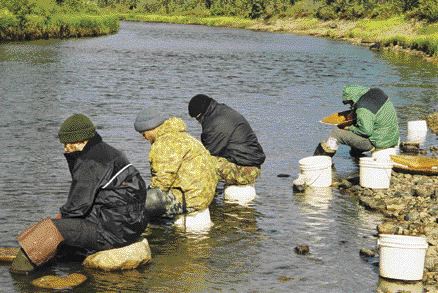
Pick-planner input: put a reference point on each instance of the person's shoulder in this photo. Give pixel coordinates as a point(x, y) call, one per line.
point(104, 153)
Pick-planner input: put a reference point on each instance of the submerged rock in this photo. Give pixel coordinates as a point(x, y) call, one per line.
point(7, 254)
point(59, 283)
point(367, 252)
point(125, 258)
point(302, 249)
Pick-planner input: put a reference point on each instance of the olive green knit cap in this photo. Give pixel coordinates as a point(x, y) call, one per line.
point(353, 92)
point(76, 128)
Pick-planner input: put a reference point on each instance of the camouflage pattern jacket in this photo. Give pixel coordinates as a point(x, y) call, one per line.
point(182, 165)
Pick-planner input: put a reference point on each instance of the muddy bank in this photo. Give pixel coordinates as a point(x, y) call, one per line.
point(410, 207)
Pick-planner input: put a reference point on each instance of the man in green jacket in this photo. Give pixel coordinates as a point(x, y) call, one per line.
point(183, 172)
point(375, 126)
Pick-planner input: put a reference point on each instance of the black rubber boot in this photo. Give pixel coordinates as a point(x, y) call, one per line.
point(22, 264)
point(357, 154)
point(155, 204)
point(320, 151)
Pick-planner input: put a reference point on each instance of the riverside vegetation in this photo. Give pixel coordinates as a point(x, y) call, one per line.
point(399, 24)
point(42, 19)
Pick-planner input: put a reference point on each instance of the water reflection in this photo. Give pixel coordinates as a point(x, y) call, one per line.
point(315, 198)
point(395, 286)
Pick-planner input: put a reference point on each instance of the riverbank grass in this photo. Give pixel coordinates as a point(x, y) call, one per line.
point(222, 21)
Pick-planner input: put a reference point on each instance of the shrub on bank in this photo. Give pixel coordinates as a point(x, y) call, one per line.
point(57, 26)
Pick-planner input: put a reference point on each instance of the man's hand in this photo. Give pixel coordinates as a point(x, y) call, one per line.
point(58, 216)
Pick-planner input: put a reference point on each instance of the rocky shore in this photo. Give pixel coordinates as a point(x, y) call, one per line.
point(410, 207)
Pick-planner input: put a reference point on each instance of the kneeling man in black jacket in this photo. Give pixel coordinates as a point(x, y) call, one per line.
point(105, 207)
point(230, 139)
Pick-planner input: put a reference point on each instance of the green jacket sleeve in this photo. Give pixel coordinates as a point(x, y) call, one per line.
point(364, 125)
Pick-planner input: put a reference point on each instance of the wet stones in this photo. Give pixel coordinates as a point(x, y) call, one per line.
point(432, 122)
point(59, 283)
point(124, 258)
point(7, 254)
point(366, 252)
point(410, 208)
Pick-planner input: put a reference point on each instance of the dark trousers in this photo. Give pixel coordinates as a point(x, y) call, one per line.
point(80, 238)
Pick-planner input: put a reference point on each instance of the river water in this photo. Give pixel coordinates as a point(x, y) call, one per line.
point(283, 84)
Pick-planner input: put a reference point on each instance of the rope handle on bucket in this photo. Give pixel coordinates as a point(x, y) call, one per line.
point(320, 173)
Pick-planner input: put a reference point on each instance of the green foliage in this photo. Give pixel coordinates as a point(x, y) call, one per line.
point(428, 10)
point(33, 19)
point(303, 8)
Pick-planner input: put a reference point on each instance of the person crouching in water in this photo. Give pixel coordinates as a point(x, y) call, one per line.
point(183, 175)
point(105, 207)
point(376, 125)
point(228, 137)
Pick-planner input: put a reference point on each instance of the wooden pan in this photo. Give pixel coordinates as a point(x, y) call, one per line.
point(340, 119)
point(415, 164)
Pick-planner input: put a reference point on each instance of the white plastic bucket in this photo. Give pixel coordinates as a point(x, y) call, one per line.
point(241, 194)
point(384, 155)
point(375, 174)
point(196, 222)
point(317, 171)
point(417, 131)
point(401, 257)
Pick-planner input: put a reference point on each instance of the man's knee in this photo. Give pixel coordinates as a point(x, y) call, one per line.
point(78, 232)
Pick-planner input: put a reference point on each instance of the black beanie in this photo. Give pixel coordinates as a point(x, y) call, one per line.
point(76, 128)
point(198, 105)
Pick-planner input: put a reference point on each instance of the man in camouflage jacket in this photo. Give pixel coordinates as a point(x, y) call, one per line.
point(183, 173)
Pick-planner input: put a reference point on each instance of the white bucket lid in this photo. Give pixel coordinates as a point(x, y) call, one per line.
point(402, 241)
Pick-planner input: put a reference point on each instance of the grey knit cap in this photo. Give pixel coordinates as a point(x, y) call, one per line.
point(148, 119)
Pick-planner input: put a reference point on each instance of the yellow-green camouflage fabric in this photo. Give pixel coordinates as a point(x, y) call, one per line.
point(233, 174)
point(181, 164)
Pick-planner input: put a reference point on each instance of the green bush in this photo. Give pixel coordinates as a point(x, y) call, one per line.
point(386, 9)
point(303, 8)
point(428, 10)
point(326, 12)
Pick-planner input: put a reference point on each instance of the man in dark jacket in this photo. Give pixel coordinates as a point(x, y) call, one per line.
point(105, 207)
point(230, 139)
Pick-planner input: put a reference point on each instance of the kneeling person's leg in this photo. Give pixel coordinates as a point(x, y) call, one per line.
point(234, 174)
point(160, 203)
point(356, 142)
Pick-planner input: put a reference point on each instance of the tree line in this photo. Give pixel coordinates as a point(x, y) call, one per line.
point(323, 9)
